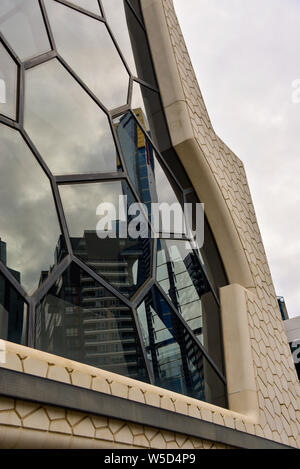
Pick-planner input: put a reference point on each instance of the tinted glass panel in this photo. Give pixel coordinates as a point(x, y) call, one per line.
point(28, 220)
point(12, 308)
point(135, 4)
point(139, 44)
point(81, 320)
point(22, 24)
point(8, 84)
point(180, 275)
point(176, 361)
point(209, 252)
point(89, 5)
point(71, 132)
point(116, 13)
point(151, 181)
point(121, 260)
point(87, 47)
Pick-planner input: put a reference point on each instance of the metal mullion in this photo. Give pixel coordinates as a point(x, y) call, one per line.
point(82, 84)
point(12, 280)
point(44, 289)
point(40, 59)
point(118, 49)
point(136, 16)
point(80, 9)
point(31, 324)
point(10, 50)
point(192, 335)
point(36, 153)
point(119, 111)
point(61, 215)
point(146, 85)
point(101, 9)
point(188, 191)
point(154, 260)
point(142, 346)
point(88, 178)
point(9, 122)
point(130, 91)
point(47, 24)
point(101, 280)
point(21, 96)
point(140, 296)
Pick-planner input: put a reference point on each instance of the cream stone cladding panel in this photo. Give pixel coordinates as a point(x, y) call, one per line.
point(16, 416)
point(32, 425)
point(219, 179)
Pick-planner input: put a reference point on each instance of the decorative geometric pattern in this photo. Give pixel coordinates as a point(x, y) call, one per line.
point(104, 133)
point(276, 379)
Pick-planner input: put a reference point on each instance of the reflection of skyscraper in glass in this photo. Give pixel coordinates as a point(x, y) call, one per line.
point(138, 156)
point(11, 304)
point(81, 320)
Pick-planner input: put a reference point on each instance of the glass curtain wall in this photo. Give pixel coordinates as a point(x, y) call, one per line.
point(81, 124)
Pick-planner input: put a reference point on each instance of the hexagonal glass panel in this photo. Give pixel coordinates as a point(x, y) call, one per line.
point(81, 320)
point(119, 258)
point(29, 225)
point(177, 363)
point(22, 24)
point(13, 309)
point(87, 47)
point(69, 129)
point(89, 5)
point(116, 13)
point(150, 179)
point(8, 84)
point(180, 275)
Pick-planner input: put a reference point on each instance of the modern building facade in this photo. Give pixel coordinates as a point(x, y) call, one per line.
point(122, 342)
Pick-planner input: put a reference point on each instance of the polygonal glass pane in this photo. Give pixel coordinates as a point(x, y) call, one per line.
point(119, 258)
point(116, 13)
point(87, 47)
point(29, 224)
point(176, 361)
point(89, 5)
point(8, 84)
point(71, 132)
point(22, 24)
point(181, 277)
point(12, 308)
point(150, 179)
point(210, 255)
point(81, 320)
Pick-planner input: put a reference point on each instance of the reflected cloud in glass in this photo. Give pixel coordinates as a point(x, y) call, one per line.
point(29, 224)
point(123, 261)
point(87, 47)
point(22, 24)
point(70, 130)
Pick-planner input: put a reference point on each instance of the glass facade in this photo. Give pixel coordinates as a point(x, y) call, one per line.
point(81, 124)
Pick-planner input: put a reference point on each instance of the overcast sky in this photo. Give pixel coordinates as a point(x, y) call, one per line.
point(246, 56)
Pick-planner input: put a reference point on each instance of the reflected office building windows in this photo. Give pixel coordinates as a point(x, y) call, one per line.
point(82, 128)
